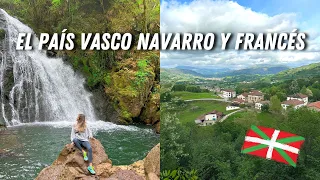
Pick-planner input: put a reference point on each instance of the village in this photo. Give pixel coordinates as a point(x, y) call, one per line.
point(253, 100)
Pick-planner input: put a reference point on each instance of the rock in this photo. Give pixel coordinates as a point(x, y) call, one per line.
point(2, 126)
point(152, 163)
point(157, 127)
point(152, 176)
point(138, 167)
point(131, 85)
point(124, 175)
point(2, 34)
point(70, 165)
point(151, 113)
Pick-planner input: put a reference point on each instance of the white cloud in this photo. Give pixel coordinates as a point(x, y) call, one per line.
point(227, 16)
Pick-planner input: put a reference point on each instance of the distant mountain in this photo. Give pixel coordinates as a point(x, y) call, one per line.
point(259, 70)
point(204, 71)
point(173, 74)
point(223, 72)
point(306, 71)
point(188, 71)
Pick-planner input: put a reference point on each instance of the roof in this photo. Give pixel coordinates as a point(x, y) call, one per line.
point(215, 112)
point(315, 104)
point(293, 102)
point(202, 117)
point(256, 93)
point(229, 90)
point(244, 94)
point(298, 95)
point(238, 100)
point(264, 102)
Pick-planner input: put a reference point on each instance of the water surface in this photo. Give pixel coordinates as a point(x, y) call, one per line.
point(32, 147)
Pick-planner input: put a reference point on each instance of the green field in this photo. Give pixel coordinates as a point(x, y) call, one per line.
point(194, 109)
point(254, 117)
point(184, 95)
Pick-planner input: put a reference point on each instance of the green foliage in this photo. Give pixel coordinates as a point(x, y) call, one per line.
point(143, 72)
point(172, 144)
point(179, 87)
point(275, 104)
point(179, 174)
point(265, 108)
point(165, 97)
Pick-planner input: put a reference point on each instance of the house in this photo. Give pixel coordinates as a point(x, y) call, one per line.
point(292, 102)
point(314, 106)
point(255, 96)
point(300, 97)
point(243, 96)
point(228, 93)
point(209, 118)
point(258, 105)
point(238, 101)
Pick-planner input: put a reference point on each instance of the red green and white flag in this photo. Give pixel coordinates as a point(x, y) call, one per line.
point(272, 144)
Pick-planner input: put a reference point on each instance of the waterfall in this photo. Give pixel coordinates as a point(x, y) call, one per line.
point(34, 87)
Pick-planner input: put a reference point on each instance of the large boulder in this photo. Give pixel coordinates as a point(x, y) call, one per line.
point(152, 163)
point(70, 165)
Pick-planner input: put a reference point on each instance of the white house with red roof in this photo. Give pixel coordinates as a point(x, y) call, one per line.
point(293, 103)
point(300, 97)
point(209, 118)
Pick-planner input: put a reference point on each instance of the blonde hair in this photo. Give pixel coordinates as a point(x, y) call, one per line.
point(81, 123)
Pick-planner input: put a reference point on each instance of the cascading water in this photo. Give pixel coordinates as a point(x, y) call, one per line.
point(34, 87)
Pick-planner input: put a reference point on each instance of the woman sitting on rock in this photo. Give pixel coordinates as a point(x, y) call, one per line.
point(80, 135)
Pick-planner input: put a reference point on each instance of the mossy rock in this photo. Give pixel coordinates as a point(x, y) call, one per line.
point(2, 125)
point(2, 34)
point(130, 85)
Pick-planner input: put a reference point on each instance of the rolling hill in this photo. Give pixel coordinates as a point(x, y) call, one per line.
point(306, 71)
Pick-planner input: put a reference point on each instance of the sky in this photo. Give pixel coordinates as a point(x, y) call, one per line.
point(255, 16)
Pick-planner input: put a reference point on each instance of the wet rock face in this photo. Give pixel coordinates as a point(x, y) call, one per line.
point(70, 165)
point(134, 89)
point(6, 69)
point(103, 106)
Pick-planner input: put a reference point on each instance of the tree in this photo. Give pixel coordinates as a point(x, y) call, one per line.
point(294, 87)
point(275, 104)
point(171, 142)
point(165, 97)
point(265, 108)
point(179, 87)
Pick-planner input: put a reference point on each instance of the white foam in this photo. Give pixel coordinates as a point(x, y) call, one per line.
point(95, 126)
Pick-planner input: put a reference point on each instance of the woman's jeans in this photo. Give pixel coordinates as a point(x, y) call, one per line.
point(85, 144)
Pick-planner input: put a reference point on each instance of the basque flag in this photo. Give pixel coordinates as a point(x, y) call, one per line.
point(272, 144)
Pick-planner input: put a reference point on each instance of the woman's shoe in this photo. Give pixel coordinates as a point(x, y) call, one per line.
point(91, 170)
point(85, 157)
